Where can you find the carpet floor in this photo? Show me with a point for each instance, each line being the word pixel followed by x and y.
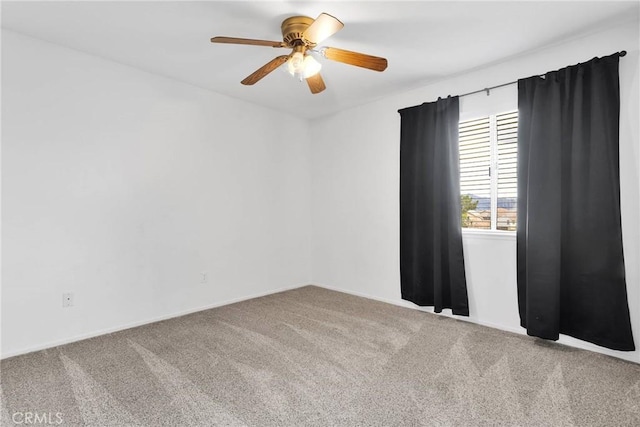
pixel 311 357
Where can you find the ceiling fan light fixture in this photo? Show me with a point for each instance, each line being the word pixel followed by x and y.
pixel 303 66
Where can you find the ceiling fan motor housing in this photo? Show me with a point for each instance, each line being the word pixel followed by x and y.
pixel 293 29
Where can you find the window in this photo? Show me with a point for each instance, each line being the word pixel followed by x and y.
pixel 488 172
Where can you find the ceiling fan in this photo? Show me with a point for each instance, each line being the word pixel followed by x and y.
pixel 302 34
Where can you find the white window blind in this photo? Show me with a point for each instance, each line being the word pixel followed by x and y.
pixel 475 177
pixel 488 172
pixel 507 161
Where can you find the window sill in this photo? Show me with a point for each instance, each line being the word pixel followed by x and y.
pixel 488 234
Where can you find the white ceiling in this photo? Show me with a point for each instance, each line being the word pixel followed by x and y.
pixel 423 41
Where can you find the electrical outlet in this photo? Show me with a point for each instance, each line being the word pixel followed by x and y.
pixel 204 277
pixel 67 300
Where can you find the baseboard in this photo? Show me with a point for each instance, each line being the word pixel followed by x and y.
pixel 564 340
pixel 106 331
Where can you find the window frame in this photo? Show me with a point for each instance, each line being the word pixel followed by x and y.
pixel 493 232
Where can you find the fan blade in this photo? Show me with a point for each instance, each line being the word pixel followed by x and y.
pixel 322 28
pixel 316 84
pixel 236 40
pixel 354 58
pixel 265 69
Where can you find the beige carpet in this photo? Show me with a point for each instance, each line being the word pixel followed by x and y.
pixel 316 357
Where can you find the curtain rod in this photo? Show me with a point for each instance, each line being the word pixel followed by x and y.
pixel 489 89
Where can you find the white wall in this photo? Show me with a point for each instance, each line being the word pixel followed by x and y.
pixel 355 187
pixel 122 186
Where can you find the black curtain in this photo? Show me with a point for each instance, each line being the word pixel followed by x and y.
pixel 571 276
pixel 431 260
